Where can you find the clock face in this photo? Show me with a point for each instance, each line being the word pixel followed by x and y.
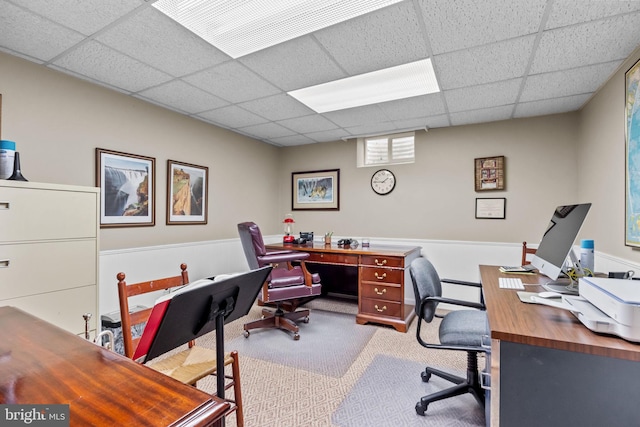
pixel 383 181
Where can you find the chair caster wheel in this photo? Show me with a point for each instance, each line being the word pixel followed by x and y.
pixel 296 337
pixel 420 409
pixel 306 319
pixel 426 376
pixel 246 334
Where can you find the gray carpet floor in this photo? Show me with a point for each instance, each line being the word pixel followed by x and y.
pixel 379 388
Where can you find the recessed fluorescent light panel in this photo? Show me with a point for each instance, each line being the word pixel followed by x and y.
pixel 402 81
pixel 240 27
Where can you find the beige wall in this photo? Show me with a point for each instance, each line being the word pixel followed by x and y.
pixel 57 122
pixel 434 198
pixel 602 165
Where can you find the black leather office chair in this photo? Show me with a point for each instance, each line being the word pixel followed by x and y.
pixel 459 330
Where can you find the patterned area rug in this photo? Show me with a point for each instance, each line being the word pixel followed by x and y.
pixel 387 391
pixel 328 344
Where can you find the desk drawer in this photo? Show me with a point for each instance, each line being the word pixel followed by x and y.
pixel 383 261
pixel 333 258
pixel 379 307
pixel 382 275
pixel 381 290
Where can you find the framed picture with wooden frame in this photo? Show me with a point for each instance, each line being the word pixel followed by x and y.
pixel 127 189
pixel 632 151
pixel 489 173
pixel 187 187
pixel 315 190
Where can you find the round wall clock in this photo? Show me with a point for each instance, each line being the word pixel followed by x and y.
pixel 383 181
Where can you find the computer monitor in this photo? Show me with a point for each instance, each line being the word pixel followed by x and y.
pixel 557 242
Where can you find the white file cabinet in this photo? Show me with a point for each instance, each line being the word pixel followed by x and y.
pixel 49 247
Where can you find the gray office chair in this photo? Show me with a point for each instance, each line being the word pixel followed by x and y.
pixel 459 330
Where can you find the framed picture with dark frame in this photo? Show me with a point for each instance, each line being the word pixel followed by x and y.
pixel 489 173
pixel 491 208
pixel 187 187
pixel 127 189
pixel 315 190
pixel 632 151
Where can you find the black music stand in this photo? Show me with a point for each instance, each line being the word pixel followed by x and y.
pixel 197 312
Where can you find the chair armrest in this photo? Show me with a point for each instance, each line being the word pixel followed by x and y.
pixel 453 301
pixel 282 256
pixel 461 282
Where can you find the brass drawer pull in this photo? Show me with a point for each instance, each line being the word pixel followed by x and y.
pixel 382 292
pixel 380 277
pixel 380 310
pixel 380 263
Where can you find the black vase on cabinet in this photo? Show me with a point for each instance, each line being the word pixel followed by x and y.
pixel 17 173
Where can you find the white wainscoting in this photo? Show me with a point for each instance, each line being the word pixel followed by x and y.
pixel 453 260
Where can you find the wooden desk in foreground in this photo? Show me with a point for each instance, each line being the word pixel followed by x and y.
pixel 548 369
pixel 43 364
pixel 381 275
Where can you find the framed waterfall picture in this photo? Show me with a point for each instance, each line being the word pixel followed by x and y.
pixel 127 189
pixel 187 187
pixel 632 154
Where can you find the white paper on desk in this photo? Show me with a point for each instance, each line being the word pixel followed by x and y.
pixel 545 301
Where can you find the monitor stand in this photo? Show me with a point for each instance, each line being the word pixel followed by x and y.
pixel 562 286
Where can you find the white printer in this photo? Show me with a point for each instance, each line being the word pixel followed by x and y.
pixel 609 306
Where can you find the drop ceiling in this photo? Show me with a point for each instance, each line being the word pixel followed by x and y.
pixel 494 60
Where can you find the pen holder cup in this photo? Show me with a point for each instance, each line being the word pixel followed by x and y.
pixel 327 240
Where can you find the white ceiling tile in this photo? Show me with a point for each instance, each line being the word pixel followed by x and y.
pixel 267 131
pixel 377 40
pixel 591 43
pixel 328 135
pixel 97 61
pixel 233 117
pixel 295 64
pixel 485 64
pixel 373 129
pixel 551 106
pixel 183 96
pixel 46 39
pixel 564 83
pixel 483 96
pixel 440 121
pixel 84 16
pixel 153 38
pixel 277 107
pixel 233 82
pixel 417 106
pixel 482 116
pixel 287 141
pixel 368 114
pixel 313 123
pixel 568 12
pixel 460 24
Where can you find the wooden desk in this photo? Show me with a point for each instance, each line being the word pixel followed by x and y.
pixel 548 369
pixel 382 271
pixel 43 364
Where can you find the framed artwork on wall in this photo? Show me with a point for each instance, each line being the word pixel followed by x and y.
pixel 315 190
pixel 491 208
pixel 187 187
pixel 489 173
pixel 632 156
pixel 127 189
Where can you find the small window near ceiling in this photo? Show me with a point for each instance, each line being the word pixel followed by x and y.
pixel 387 149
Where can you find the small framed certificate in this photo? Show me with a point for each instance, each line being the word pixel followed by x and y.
pixel 491 208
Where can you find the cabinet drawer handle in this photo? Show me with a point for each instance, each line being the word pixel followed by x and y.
pixel 380 263
pixel 5 205
pixel 380 310
pixel 380 277
pixel 382 292
pixel 4 263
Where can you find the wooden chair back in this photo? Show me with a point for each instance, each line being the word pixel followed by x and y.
pixel 130 319
pixel 526 252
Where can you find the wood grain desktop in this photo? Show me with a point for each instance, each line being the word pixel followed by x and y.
pixel 43 364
